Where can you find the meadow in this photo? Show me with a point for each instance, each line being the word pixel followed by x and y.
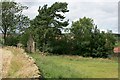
pixel 63 66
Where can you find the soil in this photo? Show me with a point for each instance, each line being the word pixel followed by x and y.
pixel 5 61
pixel 26 67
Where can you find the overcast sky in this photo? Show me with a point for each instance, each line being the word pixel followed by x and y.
pixel 103 12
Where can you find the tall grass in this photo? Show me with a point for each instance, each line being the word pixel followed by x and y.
pixel 75 67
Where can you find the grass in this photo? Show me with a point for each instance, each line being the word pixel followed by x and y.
pixel 16 62
pixel 75 67
pixel 15 66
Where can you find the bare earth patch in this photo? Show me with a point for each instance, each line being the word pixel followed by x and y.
pixel 17 64
pixel 6 61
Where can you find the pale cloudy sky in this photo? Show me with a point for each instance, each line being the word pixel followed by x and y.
pixel 103 12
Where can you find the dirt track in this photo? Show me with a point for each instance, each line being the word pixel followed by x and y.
pixel 0 63
pixel 5 57
pixel 15 63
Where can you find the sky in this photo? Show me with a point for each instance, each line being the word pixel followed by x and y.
pixel 103 12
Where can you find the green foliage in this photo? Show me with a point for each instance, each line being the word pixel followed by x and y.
pixel 1 41
pixel 12 18
pixel 82 31
pixel 102 43
pixel 89 41
pixel 59 45
pixel 48 24
pixel 12 40
pixel 24 38
pixel 84 39
pixel 117 44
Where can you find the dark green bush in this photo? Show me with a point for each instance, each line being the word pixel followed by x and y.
pixel 12 40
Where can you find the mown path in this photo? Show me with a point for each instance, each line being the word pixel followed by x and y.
pixel 5 57
pixel 15 63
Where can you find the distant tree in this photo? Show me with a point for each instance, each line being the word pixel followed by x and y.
pixel 110 42
pixel 82 31
pixel 98 41
pixel 12 18
pixel 102 43
pixel 88 41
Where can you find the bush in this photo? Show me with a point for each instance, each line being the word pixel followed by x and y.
pixel 12 40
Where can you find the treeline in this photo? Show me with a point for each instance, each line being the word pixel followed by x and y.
pixel 83 38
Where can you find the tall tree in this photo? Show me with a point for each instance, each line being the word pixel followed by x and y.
pixel 49 22
pixel 11 17
pixel 89 41
pixel 82 30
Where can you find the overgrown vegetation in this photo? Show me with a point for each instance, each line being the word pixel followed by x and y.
pixel 1 41
pixel 84 38
pixel 75 67
pixel 12 40
pixel 117 44
pixel 13 21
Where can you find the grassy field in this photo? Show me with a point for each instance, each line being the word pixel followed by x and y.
pixel 75 67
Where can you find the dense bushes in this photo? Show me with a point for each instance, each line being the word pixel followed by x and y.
pixel 89 41
pixel 12 40
pixel 1 41
pixel 85 39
